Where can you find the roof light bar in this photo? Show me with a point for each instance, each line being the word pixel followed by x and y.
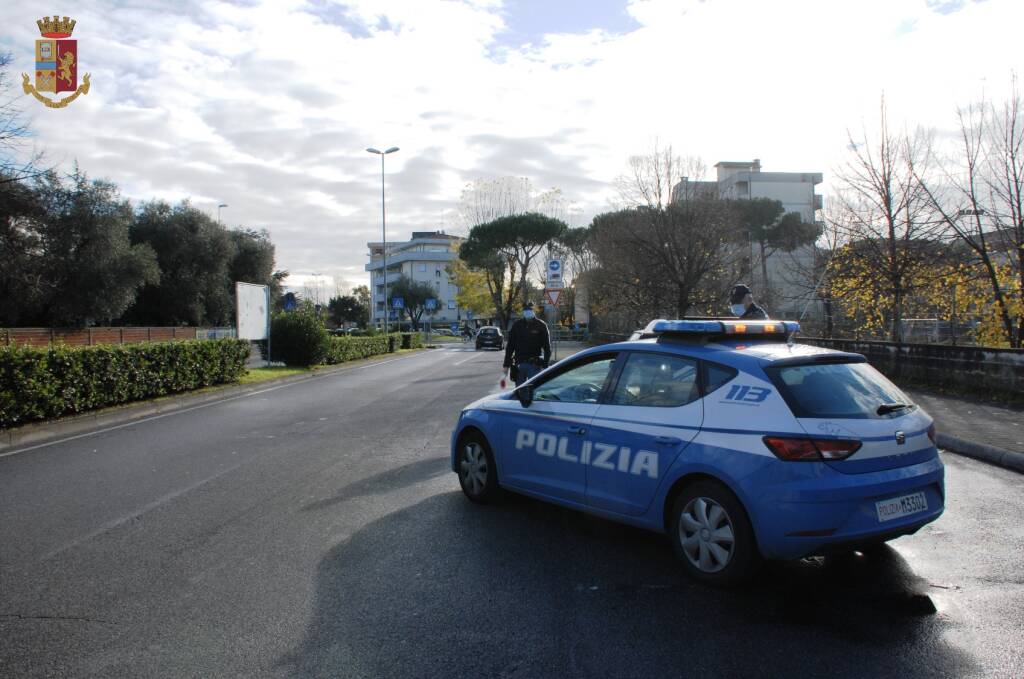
pixel 725 327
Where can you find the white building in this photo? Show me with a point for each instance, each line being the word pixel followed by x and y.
pixel 789 285
pixel 424 257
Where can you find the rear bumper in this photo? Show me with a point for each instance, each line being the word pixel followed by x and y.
pixel 834 511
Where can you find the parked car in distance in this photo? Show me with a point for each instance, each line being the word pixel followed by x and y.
pixel 490 336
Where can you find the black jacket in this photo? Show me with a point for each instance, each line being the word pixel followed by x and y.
pixel 755 312
pixel 527 340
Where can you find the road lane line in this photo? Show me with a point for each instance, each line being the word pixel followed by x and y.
pixel 111 525
pixel 201 406
pixel 466 359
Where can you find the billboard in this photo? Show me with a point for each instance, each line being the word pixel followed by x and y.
pixel 252 311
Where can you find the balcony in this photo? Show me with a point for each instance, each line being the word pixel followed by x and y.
pixel 401 257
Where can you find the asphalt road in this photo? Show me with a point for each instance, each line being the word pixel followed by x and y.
pixel 314 529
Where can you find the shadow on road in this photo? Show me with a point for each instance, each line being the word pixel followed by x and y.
pixel 447 588
pixel 385 482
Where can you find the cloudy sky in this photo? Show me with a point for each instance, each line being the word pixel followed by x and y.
pixel 267 106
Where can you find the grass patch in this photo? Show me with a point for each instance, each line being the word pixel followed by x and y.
pixel 257 375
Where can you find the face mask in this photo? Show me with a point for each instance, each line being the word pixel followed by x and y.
pixel 738 309
pixel 528 314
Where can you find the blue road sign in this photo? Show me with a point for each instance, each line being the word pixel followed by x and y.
pixel 398 302
pixel 469 314
pixel 430 304
pixel 455 327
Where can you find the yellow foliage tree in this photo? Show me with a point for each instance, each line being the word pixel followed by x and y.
pixel 473 294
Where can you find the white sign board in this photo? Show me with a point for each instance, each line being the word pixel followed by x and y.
pixel 253 311
pixel 554 271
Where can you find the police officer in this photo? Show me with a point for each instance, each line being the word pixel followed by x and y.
pixel 528 349
pixel 742 304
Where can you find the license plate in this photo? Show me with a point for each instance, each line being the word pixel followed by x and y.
pixel 901 506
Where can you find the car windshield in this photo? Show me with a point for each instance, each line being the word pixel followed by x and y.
pixel 489 331
pixel 839 390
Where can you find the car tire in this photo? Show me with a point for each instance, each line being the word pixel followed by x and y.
pixel 478 475
pixel 711 534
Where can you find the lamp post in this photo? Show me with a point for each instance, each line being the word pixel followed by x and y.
pixel 383 229
pixel 222 205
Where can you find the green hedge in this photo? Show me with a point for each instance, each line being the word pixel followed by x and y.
pixel 38 384
pixel 341 349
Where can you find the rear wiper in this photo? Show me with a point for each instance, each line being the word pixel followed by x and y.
pixel 887 408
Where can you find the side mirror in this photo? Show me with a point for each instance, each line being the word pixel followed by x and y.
pixel 525 395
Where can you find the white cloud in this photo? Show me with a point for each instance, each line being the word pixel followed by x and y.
pixel 268 106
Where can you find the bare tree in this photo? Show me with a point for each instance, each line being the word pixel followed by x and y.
pixel 651 177
pixel 485 200
pixel 884 212
pixel 16 164
pixel 980 198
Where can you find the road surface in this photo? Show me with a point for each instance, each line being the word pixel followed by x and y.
pixel 314 529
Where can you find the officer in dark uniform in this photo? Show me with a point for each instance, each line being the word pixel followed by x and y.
pixel 528 349
pixel 742 304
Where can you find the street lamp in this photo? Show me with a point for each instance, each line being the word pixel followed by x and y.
pixel 383 228
pixel 218 211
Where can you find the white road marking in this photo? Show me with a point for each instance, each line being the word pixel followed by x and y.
pixel 111 525
pixel 199 407
pixel 466 359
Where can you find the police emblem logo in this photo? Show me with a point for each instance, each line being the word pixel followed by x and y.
pixel 56 63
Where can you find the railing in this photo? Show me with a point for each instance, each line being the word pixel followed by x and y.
pixel 85 337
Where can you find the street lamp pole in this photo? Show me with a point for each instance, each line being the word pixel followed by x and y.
pixel 383 228
pixel 222 205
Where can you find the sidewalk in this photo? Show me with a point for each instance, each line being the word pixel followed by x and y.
pixel 984 431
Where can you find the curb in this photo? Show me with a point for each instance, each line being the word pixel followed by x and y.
pixel 41 432
pixel 1007 459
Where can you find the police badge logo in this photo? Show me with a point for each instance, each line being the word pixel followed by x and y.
pixel 56 63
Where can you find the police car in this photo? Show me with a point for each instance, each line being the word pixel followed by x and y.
pixel 735 441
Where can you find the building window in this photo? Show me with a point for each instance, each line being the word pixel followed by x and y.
pixel 437 272
pixel 451 304
pixel 423 267
pixel 438 284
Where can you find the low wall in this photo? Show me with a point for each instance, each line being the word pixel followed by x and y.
pixel 971 369
pixel 87 337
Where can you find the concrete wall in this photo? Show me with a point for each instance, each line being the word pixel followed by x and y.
pixel 970 369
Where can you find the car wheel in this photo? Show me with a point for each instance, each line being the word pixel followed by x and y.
pixel 711 534
pixel 477 474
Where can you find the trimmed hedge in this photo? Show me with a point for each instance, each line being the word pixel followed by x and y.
pixel 341 349
pixel 38 384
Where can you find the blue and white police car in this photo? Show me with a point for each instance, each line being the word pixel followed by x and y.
pixel 726 435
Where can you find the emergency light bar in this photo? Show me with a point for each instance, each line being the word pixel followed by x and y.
pixel 696 327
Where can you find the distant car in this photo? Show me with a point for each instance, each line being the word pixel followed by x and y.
pixel 490 336
pixel 726 435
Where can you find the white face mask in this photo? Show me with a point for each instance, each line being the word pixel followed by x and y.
pixel 528 314
pixel 738 309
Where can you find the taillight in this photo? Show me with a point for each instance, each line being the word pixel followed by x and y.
pixel 814 450
pixel 931 433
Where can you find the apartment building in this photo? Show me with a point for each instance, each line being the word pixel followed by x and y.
pixel 424 257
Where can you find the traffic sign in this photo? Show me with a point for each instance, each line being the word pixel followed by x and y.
pixel 552 296
pixel 469 314
pixel 398 302
pixel 554 271
pixel 455 327
pixel 430 304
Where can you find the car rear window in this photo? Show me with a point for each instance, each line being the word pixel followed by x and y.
pixel 837 390
pixel 488 331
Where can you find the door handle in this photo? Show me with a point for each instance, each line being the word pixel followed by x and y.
pixel 577 430
pixel 667 440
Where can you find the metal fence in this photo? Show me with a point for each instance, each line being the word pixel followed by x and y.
pixel 87 337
